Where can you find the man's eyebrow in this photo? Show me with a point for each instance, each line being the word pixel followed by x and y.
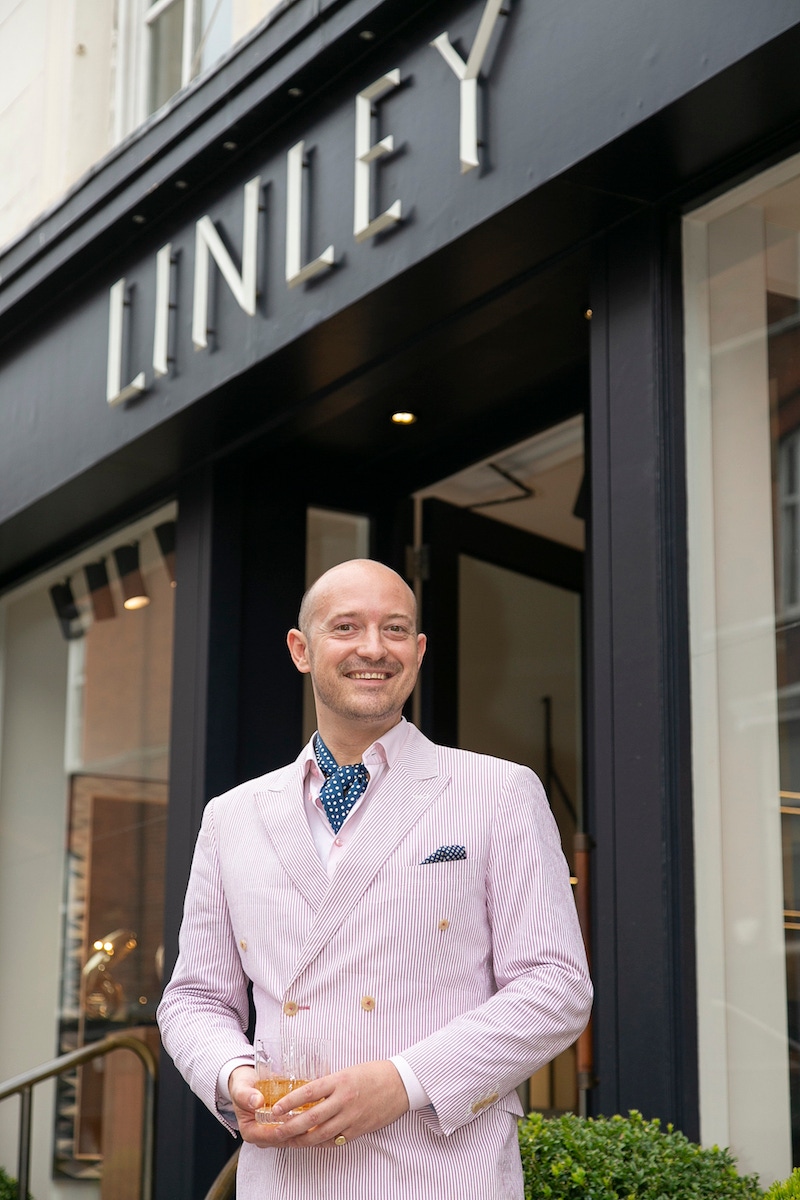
pixel 349 616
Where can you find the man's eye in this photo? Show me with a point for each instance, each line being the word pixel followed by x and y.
pixel 397 629
pixel 345 627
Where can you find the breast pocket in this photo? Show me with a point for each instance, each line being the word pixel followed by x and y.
pixel 446 894
pixel 432 935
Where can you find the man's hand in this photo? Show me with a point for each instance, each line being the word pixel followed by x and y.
pixel 246 1099
pixel 352 1102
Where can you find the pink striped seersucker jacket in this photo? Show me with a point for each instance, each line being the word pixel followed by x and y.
pixel 474 969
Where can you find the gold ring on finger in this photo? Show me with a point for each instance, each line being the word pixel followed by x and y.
pixel 341 1140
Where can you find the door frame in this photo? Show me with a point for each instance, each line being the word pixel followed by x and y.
pixel 448 533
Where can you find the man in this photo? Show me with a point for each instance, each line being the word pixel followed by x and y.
pixel 415 910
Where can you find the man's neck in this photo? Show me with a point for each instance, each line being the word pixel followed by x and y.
pixel 347 745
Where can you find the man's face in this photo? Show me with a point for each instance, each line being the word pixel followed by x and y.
pixel 360 646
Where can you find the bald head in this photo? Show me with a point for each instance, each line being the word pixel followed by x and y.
pixel 365 573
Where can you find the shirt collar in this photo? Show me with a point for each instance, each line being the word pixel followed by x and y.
pixel 385 749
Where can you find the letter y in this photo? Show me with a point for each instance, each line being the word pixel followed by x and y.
pixel 467 74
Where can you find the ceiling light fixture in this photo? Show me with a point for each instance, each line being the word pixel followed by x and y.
pixel 69 617
pixel 130 576
pixel 100 593
pixel 404 418
pixel 165 536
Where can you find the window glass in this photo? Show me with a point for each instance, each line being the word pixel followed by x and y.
pixel 742 282
pixel 166 33
pixel 84 770
pixel 216 32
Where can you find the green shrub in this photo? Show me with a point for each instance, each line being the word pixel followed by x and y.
pixel 623 1158
pixel 788 1189
pixel 8 1187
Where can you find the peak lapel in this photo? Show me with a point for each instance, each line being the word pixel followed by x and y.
pixel 282 810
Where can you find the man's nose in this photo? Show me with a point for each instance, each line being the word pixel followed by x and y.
pixel 371 643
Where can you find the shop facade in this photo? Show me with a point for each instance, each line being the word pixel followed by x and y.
pixel 567 248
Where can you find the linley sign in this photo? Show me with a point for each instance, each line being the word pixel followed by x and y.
pixel 243 284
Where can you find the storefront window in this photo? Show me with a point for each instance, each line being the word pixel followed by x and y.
pixel 742 280
pixel 84 769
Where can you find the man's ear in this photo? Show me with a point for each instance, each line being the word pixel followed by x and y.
pixel 298 649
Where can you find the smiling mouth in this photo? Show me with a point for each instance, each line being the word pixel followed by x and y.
pixel 369 674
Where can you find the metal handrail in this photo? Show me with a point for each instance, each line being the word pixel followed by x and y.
pixel 224 1185
pixel 23 1085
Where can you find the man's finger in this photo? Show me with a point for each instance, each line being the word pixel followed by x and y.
pixel 309 1093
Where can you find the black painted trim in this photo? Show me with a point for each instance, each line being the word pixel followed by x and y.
pixel 202 763
pixel 638 733
pixel 236 712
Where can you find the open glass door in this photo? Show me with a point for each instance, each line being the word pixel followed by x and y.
pixel 501 561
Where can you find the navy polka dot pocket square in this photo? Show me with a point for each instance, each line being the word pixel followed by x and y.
pixel 445 854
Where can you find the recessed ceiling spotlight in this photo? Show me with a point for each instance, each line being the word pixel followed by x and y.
pixel 138 219
pixel 404 418
pixel 181 184
pixel 295 92
pixel 587 312
pixel 130 577
pixel 230 145
pixel 367 35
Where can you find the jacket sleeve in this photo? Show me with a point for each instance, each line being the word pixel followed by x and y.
pixel 544 993
pixel 204 1012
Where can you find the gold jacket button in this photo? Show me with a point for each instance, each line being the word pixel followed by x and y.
pixel 443 924
pixel 243 944
pixel 368 1003
pixel 290 1008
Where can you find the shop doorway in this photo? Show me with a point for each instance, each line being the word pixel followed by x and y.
pixel 498 558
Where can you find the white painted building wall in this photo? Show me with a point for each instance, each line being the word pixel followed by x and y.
pixel 69 90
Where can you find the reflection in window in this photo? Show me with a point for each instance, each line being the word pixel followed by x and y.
pixel 742 286
pixel 790 499
pixel 117 765
pixel 784 377
pixel 84 767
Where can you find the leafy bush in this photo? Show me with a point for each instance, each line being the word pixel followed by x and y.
pixel 789 1189
pixel 624 1158
pixel 8 1187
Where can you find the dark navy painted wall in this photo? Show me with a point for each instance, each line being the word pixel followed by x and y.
pixel 564 85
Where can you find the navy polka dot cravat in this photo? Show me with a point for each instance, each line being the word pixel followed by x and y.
pixel 342 787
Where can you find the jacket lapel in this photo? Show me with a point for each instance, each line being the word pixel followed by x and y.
pixel 281 808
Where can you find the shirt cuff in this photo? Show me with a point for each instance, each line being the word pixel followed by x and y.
pixel 417 1096
pixel 223 1095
